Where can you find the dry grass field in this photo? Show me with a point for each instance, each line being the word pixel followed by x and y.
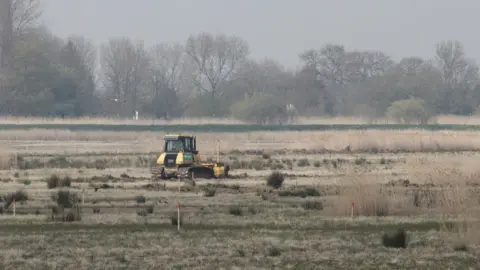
pixel 441 119
pixel 425 183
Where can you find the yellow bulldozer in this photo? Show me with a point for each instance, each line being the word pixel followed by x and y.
pixel 181 159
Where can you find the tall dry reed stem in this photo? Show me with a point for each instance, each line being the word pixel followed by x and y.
pixel 7 158
pixel 367 198
pixel 444 193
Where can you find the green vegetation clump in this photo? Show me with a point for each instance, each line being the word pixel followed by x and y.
pixel 275 179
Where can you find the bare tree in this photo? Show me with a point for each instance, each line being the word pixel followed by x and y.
pixel 25 14
pixel 258 76
pixel 168 64
pixel 168 71
pixel 124 65
pixel 411 65
pixel 363 65
pixel 456 68
pixel 460 77
pixel 215 59
pixel 338 66
pixel 86 50
pixel 6 32
pixel 15 17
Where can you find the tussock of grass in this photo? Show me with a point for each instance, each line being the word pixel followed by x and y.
pixel 300 192
pixel 266 156
pixel 395 240
pixel 235 210
pixel 365 199
pixel 149 209
pixel 65 198
pixel 140 199
pixel 142 213
pixel 7 158
pixel 274 252
pixel 72 216
pixel 303 162
pixel 18 196
pixel 275 179
pixel 312 205
pixel 209 192
pixel 55 181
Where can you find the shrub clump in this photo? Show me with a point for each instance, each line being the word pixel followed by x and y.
pixel 361 161
pixel 274 252
pixel 65 198
pixel 395 240
pixel 235 210
pixel 257 164
pixel 275 180
pixel 19 196
pixel 409 111
pixel 55 181
pixel 313 205
pixel 71 216
pixel 140 199
pixel 306 192
pixel 210 192
pixel 303 162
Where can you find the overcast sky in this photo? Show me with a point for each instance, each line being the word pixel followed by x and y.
pixel 279 29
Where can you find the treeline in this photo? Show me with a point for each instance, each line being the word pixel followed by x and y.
pixel 214 75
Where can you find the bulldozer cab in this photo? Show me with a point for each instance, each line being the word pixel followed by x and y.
pixel 180 143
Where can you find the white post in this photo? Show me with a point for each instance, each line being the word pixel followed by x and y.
pixel 136 115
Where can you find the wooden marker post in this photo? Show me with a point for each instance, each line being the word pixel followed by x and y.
pixel 353 207
pixel 178 217
pixel 14 206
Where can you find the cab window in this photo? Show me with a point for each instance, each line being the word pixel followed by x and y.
pixel 188 144
pixel 174 146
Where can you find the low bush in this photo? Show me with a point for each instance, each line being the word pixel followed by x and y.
pixel 55 181
pixel 19 196
pixel 303 162
pixel 65 198
pixel 210 192
pixel 235 210
pixel 397 239
pixel 300 192
pixel 275 179
pixel 140 199
pixel 312 205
